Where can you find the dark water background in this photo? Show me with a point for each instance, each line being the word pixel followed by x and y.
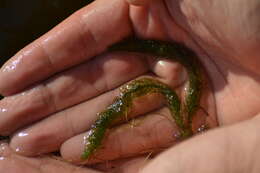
pixel 22 21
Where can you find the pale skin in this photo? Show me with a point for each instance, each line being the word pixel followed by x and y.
pixel 225 35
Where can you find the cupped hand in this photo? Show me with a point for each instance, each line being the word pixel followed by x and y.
pixel 224 35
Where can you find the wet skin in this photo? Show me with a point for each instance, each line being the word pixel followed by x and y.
pixel 230 60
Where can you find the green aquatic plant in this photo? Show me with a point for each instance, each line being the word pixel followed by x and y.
pixel 182 113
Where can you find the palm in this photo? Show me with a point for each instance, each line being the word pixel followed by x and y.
pixel 220 52
pixel 229 54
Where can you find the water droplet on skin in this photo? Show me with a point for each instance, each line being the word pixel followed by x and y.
pixel 162 63
pixel 23 93
pixel 2 147
pixel 27 52
pixel 22 134
pixel 85 138
pixel 88 134
pixel 3 110
pixel 177 135
pixel 4 151
pixel 13 64
pixel 186 89
pixel 202 128
pixel 17 150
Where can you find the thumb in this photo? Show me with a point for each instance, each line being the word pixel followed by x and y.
pixel 228 149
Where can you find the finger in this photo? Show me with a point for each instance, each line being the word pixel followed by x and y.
pixel 148 134
pixel 48 135
pixel 69 88
pixel 216 151
pixel 12 163
pixel 75 40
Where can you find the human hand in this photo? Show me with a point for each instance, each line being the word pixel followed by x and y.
pixel 226 113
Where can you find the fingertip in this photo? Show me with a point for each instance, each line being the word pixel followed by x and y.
pixel 162 68
pixel 25 143
pixel 4 89
pixel 23 70
pixel 31 143
pixel 72 149
pixel 19 144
